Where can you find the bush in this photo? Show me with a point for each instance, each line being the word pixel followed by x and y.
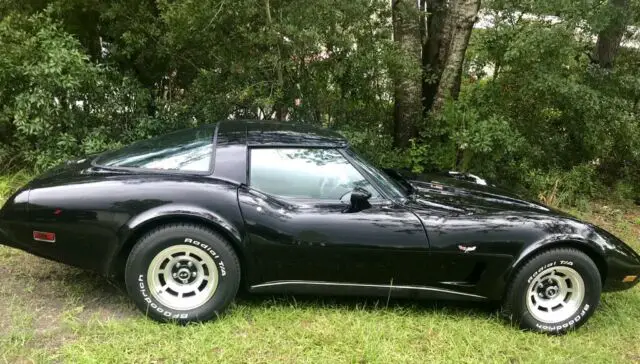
pixel 573 187
pixel 55 103
pixel 10 183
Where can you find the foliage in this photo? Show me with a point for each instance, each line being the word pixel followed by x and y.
pixel 11 183
pixel 54 102
pixel 81 76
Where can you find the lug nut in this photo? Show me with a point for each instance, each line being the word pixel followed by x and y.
pixel 189 264
pixel 175 275
pixel 193 274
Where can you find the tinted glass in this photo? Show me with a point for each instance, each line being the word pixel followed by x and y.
pixel 305 173
pixel 184 150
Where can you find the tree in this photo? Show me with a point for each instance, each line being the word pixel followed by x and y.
pixel 610 36
pixel 55 103
pixel 438 45
pixel 460 24
pixel 408 81
pixel 433 51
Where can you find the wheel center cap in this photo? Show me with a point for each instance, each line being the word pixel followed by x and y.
pixel 184 274
pixel 551 291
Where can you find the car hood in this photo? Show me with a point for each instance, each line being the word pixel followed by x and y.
pixel 434 196
pixel 446 193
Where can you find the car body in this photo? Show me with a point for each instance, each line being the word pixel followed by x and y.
pixel 440 237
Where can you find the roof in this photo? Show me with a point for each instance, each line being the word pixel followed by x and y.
pixel 274 133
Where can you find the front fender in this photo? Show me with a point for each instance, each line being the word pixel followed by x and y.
pixel 583 243
pixel 562 240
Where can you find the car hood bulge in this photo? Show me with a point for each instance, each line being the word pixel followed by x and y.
pixel 449 194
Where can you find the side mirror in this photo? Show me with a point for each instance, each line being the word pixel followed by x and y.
pixel 359 200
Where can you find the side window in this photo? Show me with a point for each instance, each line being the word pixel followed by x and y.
pixel 305 173
pixel 184 150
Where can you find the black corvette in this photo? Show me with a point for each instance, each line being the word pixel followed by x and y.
pixel 190 217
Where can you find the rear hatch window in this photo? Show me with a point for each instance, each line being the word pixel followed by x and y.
pixel 188 150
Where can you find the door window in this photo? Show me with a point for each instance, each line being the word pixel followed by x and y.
pixel 305 173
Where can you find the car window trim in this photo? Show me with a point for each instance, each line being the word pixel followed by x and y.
pixel 214 147
pixel 375 201
pixel 341 150
pixel 151 170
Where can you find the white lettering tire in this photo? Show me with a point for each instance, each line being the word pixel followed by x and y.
pixel 554 292
pixel 182 273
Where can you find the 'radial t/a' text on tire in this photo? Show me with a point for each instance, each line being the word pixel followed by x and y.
pixel 182 273
pixel 554 292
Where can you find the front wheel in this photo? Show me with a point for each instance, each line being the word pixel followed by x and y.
pixel 554 292
pixel 183 273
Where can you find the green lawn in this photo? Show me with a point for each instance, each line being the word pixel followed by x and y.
pixel 54 313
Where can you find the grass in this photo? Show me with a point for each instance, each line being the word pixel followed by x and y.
pixel 54 313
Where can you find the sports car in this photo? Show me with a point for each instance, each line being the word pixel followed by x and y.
pixel 188 219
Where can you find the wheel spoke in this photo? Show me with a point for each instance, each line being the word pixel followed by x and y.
pixel 555 294
pixel 182 277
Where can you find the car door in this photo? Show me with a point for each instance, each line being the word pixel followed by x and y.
pixel 295 210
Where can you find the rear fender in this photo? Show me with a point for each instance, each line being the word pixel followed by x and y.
pixel 170 213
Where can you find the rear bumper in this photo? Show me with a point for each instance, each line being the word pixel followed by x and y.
pixel 4 239
pixel 12 234
pixel 14 219
pixel 18 235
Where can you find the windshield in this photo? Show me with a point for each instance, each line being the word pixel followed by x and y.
pixel 390 186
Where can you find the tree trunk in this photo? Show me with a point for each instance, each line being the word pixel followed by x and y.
pixel 280 109
pixel 408 83
pixel 433 50
pixel 610 37
pixel 463 17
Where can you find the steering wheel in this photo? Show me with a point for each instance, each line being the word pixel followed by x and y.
pixel 345 195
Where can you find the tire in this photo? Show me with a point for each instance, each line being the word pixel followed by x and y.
pixel 182 273
pixel 565 282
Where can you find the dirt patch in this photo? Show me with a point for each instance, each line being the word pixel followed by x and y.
pixel 43 300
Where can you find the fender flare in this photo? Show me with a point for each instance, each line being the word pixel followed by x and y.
pixel 591 248
pixel 170 211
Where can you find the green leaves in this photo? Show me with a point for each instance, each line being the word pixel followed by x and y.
pixel 82 76
pixel 51 95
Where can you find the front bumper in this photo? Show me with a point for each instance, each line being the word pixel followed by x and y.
pixel 624 273
pixel 624 269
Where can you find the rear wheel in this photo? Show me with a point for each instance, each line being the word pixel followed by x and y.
pixel 554 292
pixel 182 272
